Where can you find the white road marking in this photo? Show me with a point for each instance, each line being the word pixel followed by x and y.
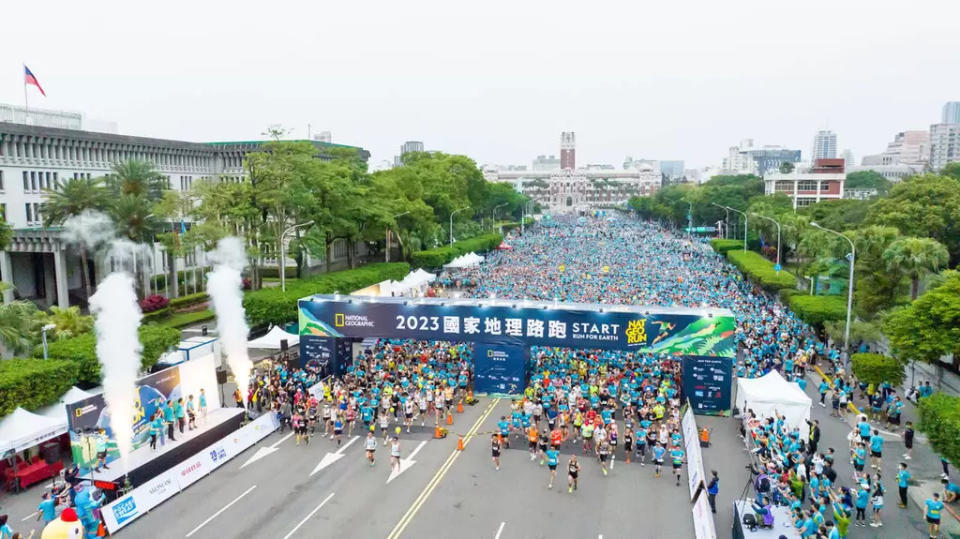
pixel 406 463
pixel 265 451
pixel 500 530
pixel 28 517
pixel 225 507
pixel 302 522
pixel 331 458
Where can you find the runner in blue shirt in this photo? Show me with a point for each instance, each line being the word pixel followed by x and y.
pixel 876 449
pixel 658 452
pixel 552 461
pixel 902 477
pixel 932 513
pixel 677 457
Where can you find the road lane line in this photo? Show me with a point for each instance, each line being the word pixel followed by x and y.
pixel 500 530
pixel 412 511
pixel 28 517
pixel 215 515
pixel 305 519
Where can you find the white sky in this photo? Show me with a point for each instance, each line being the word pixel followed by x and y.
pixel 496 80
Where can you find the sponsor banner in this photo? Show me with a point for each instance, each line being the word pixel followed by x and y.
pixel 614 327
pixel 140 500
pixel 193 469
pixel 500 368
pixel 695 475
pixel 707 382
pixel 703 525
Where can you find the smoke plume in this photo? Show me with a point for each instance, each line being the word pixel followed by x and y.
pixel 118 348
pixel 90 229
pixel 225 286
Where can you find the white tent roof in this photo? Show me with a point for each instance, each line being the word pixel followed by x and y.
pixel 58 410
pixel 771 394
pixel 22 430
pixel 468 260
pixel 272 339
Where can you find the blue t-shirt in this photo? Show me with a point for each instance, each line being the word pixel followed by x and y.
pixel 933 508
pixel 677 456
pixel 902 477
pixel 863 496
pixel 504 427
pixel 552 455
pixel 876 443
pixel 658 453
pixel 48 508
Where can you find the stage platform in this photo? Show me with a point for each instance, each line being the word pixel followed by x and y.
pixel 145 463
pixel 782 523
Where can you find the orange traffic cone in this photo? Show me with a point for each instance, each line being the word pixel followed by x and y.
pixel 459 442
pixel 449 419
pixel 460 407
pixel 437 433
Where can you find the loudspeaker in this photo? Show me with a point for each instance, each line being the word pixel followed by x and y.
pixel 221 376
pixel 283 345
pixel 203 330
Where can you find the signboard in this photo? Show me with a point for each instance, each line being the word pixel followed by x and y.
pixel 140 500
pixel 318 354
pixel 679 331
pixel 707 383
pixel 500 368
pixel 703 525
pixel 691 440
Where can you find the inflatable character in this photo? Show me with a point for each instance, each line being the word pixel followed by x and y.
pixel 67 526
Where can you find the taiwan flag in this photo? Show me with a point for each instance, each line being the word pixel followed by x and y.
pixel 28 78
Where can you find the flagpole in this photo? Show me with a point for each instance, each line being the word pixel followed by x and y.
pixel 26 104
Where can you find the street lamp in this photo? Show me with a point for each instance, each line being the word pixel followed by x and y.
pixel 43 333
pixel 690 218
pixel 774 221
pixel 495 214
pixel 283 254
pixel 853 259
pixel 726 220
pixel 745 223
pixel 454 212
pixel 387 259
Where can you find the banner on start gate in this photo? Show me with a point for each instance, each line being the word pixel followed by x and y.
pixel 500 368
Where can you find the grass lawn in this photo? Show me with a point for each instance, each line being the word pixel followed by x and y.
pixel 180 320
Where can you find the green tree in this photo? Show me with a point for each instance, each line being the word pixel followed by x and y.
pixel 923 206
pixel 877 283
pixel 20 323
pixel 868 179
pixel 843 214
pixel 68 322
pixel 136 177
pixel 952 170
pixel 786 167
pixel 928 328
pixel 71 199
pixel 916 257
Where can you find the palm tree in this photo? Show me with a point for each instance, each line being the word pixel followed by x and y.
pixel 135 177
pixel 916 257
pixel 69 322
pixel 70 199
pixel 19 327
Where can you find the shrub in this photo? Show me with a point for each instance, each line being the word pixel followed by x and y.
pixel 815 310
pixel 760 270
pixel 787 293
pixel 190 299
pixel 270 272
pixel 82 350
pixel 154 302
pixel 876 368
pixel 722 246
pixel 156 315
pixel 180 320
pixel 435 258
pixel 479 244
pixel 33 382
pixel 940 421
pixel 273 306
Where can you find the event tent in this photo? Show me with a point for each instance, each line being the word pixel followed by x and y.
pixel 22 430
pixel 58 410
pixel 771 394
pixel 468 260
pixel 272 339
pixel 412 285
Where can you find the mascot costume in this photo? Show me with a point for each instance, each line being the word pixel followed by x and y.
pixel 67 526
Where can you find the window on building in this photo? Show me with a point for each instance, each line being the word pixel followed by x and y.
pixel 784 187
pixel 26 182
pixel 805 201
pixel 36 213
pixel 33 181
pixel 1 181
pixel 807 185
pixel 824 185
pixel 29 210
pixel 56 181
pixel 47 178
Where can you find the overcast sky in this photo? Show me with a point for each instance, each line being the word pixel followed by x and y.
pixel 496 80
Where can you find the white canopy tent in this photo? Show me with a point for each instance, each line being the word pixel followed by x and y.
pixel 22 430
pixel 58 410
pixel 772 394
pixel 414 284
pixel 468 260
pixel 272 339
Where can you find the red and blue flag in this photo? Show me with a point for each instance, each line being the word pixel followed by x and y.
pixel 29 78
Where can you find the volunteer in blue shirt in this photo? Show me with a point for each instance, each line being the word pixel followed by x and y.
pixel 876 449
pixel 932 513
pixel 713 488
pixel 902 477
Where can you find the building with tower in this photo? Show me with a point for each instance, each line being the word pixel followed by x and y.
pixel 568 150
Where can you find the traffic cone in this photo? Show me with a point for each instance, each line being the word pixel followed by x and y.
pixel 459 442
pixel 437 433
pixel 460 407
pixel 449 419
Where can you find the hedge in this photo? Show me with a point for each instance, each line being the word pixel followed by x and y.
pixel 190 299
pixel 760 270
pixel 434 258
pixel 506 226
pixel 180 320
pixel 82 350
pixel 940 421
pixel 273 306
pixel 722 246
pixel 156 315
pixel 876 369
pixel 271 272
pixel 33 382
pixel 787 293
pixel 815 310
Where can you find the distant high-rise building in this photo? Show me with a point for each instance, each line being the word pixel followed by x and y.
pixel 951 113
pixel 824 145
pixel 546 162
pixel 910 147
pixel 750 159
pixel 409 146
pixel 323 136
pixel 673 170
pixel 568 150
pixel 944 145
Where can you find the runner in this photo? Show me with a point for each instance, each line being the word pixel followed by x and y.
pixel 658 452
pixel 338 429
pixel 395 454
pixel 371 446
pixel 532 437
pixel 495 449
pixel 603 453
pixel 677 456
pixel 573 471
pixel 552 460
pixel 933 506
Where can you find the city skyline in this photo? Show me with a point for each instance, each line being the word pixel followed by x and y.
pixel 498 102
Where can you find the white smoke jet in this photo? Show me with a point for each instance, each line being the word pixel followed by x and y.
pixel 225 286
pixel 118 349
pixel 90 229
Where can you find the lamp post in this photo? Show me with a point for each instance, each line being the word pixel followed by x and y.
pixel 283 254
pixel 690 218
pixel 853 259
pixel 495 214
pixel 387 257
pixel 523 215
pixel 774 221
pixel 454 212
pixel 745 224
pixel 726 220
pixel 43 334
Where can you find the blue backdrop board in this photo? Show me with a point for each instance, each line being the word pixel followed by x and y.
pixel 318 353
pixel 500 368
pixel 707 382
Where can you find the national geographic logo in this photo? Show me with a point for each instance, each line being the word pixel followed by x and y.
pixel 352 320
pixel 637 331
pixel 79 412
pixel 338 320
